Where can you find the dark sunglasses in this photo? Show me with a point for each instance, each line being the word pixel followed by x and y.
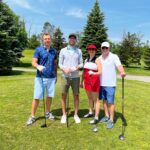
pixel 104 47
pixel 91 49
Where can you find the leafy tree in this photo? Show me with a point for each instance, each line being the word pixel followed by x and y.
pixel 33 42
pixel 130 49
pixel 95 30
pixel 147 57
pixel 13 38
pixel 58 40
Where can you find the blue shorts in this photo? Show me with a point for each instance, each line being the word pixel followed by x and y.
pixel 48 84
pixel 107 93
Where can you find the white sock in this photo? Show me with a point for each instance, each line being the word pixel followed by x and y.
pixel 96 117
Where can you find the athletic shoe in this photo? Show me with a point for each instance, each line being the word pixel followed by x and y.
pixel 104 119
pixel 49 115
pixel 110 124
pixel 94 121
pixel 88 115
pixel 30 121
pixel 63 119
pixel 77 119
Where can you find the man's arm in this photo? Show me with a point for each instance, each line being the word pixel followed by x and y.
pixel 121 70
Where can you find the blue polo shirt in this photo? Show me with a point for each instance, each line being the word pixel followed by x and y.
pixel 46 58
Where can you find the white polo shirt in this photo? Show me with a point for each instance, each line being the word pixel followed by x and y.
pixel 109 67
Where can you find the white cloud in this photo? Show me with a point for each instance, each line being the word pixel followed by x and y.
pixel 76 12
pixel 22 3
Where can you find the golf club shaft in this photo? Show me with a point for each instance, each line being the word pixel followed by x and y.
pixel 123 106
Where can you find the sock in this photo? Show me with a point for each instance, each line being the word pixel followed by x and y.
pixel 96 117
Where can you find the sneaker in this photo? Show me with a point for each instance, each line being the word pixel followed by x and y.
pixel 63 119
pixel 110 124
pixel 49 115
pixel 30 121
pixel 77 119
pixel 88 115
pixel 104 119
pixel 94 121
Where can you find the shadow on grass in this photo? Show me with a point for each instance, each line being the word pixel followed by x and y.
pixel 23 65
pixel 12 73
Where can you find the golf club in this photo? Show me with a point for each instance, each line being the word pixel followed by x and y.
pixel 121 136
pixel 43 125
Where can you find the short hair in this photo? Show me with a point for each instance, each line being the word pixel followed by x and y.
pixel 46 33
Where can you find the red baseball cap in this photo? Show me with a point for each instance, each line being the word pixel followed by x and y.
pixel 91 46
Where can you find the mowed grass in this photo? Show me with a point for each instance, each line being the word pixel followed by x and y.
pixel 15 106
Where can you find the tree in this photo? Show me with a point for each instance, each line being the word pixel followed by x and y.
pixel 33 42
pixel 130 49
pixel 13 38
pixel 48 28
pixel 58 40
pixel 147 57
pixel 95 30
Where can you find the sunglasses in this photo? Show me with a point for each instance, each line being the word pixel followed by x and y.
pixel 91 49
pixel 104 47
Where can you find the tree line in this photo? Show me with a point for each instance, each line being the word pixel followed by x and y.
pixel 14 39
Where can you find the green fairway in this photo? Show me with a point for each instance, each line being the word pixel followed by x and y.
pixel 15 106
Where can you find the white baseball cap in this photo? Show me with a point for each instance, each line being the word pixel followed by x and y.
pixel 105 44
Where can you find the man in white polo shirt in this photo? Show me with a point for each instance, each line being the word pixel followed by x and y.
pixel 110 63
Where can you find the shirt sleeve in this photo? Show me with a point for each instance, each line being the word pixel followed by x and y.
pixel 36 53
pixel 61 58
pixel 117 60
pixel 80 60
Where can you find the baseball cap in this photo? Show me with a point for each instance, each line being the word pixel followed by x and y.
pixel 105 44
pixel 72 35
pixel 91 46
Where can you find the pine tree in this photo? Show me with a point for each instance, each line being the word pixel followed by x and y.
pixel 95 30
pixel 58 41
pixel 33 42
pixel 147 57
pixel 11 41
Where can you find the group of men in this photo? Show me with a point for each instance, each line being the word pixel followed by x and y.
pixel 70 61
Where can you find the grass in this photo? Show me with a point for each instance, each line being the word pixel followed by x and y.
pixel 15 106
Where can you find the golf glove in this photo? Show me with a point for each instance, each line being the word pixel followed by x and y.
pixel 91 72
pixel 40 67
pixel 73 69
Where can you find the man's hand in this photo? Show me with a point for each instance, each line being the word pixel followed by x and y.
pixel 91 72
pixel 66 70
pixel 122 74
pixel 40 67
pixel 73 69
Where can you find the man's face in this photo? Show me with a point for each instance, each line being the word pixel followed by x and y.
pixel 72 41
pixel 47 40
pixel 105 51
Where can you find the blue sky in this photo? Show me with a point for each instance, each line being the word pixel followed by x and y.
pixel 71 15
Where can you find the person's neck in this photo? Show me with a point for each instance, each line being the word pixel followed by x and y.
pixel 47 47
pixel 91 57
pixel 105 55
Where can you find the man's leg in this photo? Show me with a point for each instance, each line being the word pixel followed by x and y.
pixel 76 103
pixel 48 104
pixel 105 105
pixel 35 104
pixel 111 111
pixel 63 103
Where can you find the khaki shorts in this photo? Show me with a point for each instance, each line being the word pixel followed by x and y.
pixel 67 82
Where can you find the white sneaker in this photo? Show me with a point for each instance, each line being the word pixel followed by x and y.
pixel 49 115
pixel 63 119
pixel 30 121
pixel 77 119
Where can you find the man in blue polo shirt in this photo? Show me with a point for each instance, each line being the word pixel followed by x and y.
pixel 45 61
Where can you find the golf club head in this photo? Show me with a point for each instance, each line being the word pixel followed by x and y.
pixel 121 137
pixel 95 129
pixel 43 125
